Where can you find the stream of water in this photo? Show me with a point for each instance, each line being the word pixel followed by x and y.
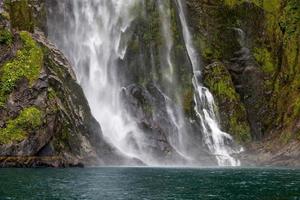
pixel 94 35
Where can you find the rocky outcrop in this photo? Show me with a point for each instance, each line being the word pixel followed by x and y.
pixel 50 117
pixel 45 119
pixel 233 116
pixel 149 108
pixel 250 53
pixel 258 42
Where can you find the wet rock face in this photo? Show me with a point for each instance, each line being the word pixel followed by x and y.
pixel 66 130
pixel 233 116
pixel 248 81
pixel 148 108
pixel 225 34
pixel 258 42
pixel 26 14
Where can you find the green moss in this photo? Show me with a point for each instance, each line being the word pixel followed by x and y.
pixel 149 26
pixel 291 17
pixel 20 15
pixel 267 5
pixel 288 102
pixel 220 83
pixel 51 94
pixel 6 37
pixel 27 64
pixel 232 3
pixel 188 103
pixel 232 112
pixel 264 59
pixel 285 137
pixel 297 108
pixel 271 5
pixel 240 129
pixel 17 129
pixel 5 15
pixel 208 53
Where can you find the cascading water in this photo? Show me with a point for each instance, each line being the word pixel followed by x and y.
pixel 214 138
pixel 95 36
pixel 92 38
pixel 176 115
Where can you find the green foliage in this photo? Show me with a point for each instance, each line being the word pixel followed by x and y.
pixel 296 109
pixel 267 5
pixel 149 26
pixel 17 129
pixel 290 21
pixel 285 137
pixel 233 113
pixel 20 13
pixel 51 94
pixel 240 130
pixel 27 64
pixel 264 58
pixel 6 37
pixel 220 84
pixel 232 3
pixel 270 5
pixel 188 102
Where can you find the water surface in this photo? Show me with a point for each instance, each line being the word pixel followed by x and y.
pixel 150 183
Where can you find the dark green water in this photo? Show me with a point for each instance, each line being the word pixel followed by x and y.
pixel 150 183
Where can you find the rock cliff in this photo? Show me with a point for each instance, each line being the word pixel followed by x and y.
pixel 45 119
pixel 256 47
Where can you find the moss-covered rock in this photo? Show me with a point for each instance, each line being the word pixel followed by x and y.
pixel 5 37
pixel 26 64
pixel 45 119
pixel 26 15
pixel 46 113
pixel 20 13
pixel 146 56
pixel 262 57
pixel 18 129
pixel 233 114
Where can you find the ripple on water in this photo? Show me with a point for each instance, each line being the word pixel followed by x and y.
pixel 150 183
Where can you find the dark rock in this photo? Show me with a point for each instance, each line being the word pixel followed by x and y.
pixel 148 106
pixel 69 131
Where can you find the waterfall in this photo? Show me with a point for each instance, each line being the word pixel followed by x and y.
pixel 176 115
pixel 214 138
pixel 95 36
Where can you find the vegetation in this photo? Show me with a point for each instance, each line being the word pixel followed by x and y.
pixel 188 103
pixel 233 113
pixel 220 83
pixel 6 37
pixel 18 129
pixel 264 59
pixel 26 64
pixel 20 13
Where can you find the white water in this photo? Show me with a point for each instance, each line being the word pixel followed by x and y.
pixel 94 36
pixel 176 115
pixel 94 42
pixel 214 138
